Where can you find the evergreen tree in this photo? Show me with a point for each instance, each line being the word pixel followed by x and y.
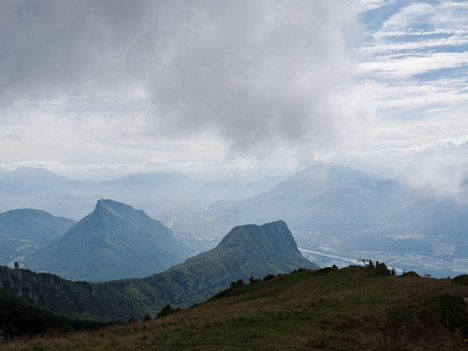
pixel 382 269
pixel 252 280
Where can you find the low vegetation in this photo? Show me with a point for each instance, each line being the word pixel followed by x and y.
pixel 245 251
pixel 18 319
pixel 354 308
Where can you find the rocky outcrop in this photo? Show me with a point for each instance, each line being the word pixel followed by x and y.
pixel 246 251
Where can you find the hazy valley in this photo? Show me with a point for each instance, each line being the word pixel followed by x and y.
pixel 234 175
pixel 337 214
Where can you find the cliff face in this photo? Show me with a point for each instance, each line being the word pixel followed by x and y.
pixel 22 283
pixel 67 298
pixel 246 251
pixel 11 281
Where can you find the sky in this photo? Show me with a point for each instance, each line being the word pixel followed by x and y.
pixel 110 87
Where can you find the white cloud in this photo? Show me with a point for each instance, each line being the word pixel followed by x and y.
pixel 111 79
pixel 105 85
pixel 435 175
pixel 449 142
pixel 450 15
pixel 382 34
pixel 409 16
pixel 453 40
pixel 412 65
pixel 51 165
pixel 369 5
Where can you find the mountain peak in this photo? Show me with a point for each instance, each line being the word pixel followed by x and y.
pixel 108 203
pixel 274 236
pixel 116 208
pixel 114 241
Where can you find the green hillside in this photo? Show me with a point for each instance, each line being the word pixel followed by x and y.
pixel 17 319
pixel 245 251
pixel 348 309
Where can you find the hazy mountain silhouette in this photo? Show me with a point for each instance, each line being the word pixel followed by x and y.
pixel 32 225
pixel 321 197
pixel 114 241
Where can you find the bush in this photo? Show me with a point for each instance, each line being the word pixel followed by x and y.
pixel 453 312
pixel 381 269
pixel 252 280
pixel 166 310
pixel 299 270
pixel 268 277
pixel 325 270
pixel 240 283
pixel 410 274
pixel 147 318
pixel 461 279
pixel 64 329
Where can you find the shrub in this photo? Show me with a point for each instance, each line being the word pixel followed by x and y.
pixel 381 269
pixel 461 279
pixel 239 283
pixel 147 318
pixel 299 270
pixel 410 274
pixel 166 310
pixel 325 270
pixel 453 312
pixel 268 277
pixel 252 280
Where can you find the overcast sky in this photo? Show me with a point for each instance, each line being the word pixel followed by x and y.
pixel 147 85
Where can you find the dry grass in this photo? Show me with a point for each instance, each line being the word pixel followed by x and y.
pixel 343 310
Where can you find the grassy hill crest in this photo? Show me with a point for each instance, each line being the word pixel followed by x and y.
pixel 329 309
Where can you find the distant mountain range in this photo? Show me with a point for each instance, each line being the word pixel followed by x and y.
pixel 38 188
pixel 322 198
pixel 364 211
pixel 27 227
pixel 32 176
pixel 338 208
pixel 114 241
pixel 32 225
pixel 246 251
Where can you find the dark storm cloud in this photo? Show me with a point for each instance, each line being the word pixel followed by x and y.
pixel 257 73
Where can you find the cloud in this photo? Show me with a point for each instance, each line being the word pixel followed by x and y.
pixel 51 165
pixel 260 75
pixel 419 38
pixel 257 75
pixel 416 61
pixel 412 65
pixel 369 5
pixel 450 15
pixel 433 174
pixel 453 40
pixel 450 142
